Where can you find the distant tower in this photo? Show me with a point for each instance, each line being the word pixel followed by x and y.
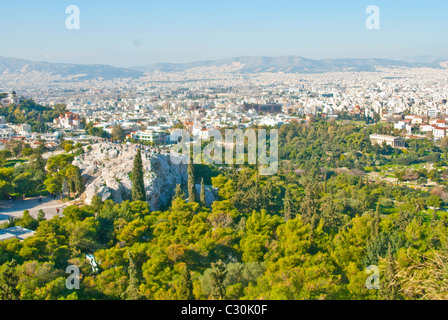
pixel 13 97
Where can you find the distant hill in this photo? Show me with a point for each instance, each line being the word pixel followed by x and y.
pixel 293 64
pixel 287 64
pixel 87 71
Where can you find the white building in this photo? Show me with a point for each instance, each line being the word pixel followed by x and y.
pixel 156 136
pixel 11 99
pixel 414 119
pixel 395 142
pixel 438 122
pixel 68 121
pixel 6 133
pixel 432 113
pixel 439 132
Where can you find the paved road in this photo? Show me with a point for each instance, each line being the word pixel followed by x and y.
pixel 15 208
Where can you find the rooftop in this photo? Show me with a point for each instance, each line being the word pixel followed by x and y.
pixel 15 232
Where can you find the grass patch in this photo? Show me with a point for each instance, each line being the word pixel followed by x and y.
pixel 12 163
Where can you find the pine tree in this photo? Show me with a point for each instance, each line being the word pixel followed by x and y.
pixel 131 292
pixel 185 289
pixel 269 200
pixel 37 162
pixel 202 195
pixel 79 185
pixel 8 282
pixel 218 276
pixel 138 186
pixel 178 193
pixel 191 183
pixel 41 216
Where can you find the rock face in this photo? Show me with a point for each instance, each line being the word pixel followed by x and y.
pixel 107 167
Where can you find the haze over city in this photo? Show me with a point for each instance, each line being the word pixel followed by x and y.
pixel 137 33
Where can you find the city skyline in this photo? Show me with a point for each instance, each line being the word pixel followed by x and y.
pixel 180 32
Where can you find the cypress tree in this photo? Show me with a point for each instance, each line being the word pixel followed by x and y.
pixel 218 276
pixel 287 206
pixel 138 186
pixel 191 183
pixel 131 292
pixel 325 183
pixel 255 195
pixel 79 185
pixel 185 289
pixel 310 203
pixel 202 196
pixel 376 223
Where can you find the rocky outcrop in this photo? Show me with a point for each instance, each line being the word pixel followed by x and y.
pixel 211 194
pixel 107 167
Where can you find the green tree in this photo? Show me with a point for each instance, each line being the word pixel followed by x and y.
pixel 287 206
pixel 5 154
pixel 59 162
pixel 444 146
pixel 433 201
pixel 96 203
pixel 16 147
pixel 53 183
pixel 331 215
pixel 22 183
pixel 27 221
pixel 118 133
pixel 202 195
pixel 185 288
pixel 138 185
pixel 37 163
pixel 178 193
pixel 309 207
pixel 74 178
pixel 191 183
pixel 218 276
pixel 388 290
pixel 9 281
pixel 40 216
pixel 131 292
pixel 68 147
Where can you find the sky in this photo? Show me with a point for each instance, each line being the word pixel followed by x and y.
pixel 141 32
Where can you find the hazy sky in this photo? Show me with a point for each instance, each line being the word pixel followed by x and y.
pixel 141 32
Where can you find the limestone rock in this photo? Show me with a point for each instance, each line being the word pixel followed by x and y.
pixel 107 167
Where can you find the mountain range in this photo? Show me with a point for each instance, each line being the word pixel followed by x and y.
pixel 84 71
pixel 287 64
pixel 297 64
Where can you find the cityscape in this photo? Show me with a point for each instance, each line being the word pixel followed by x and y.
pixel 94 205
